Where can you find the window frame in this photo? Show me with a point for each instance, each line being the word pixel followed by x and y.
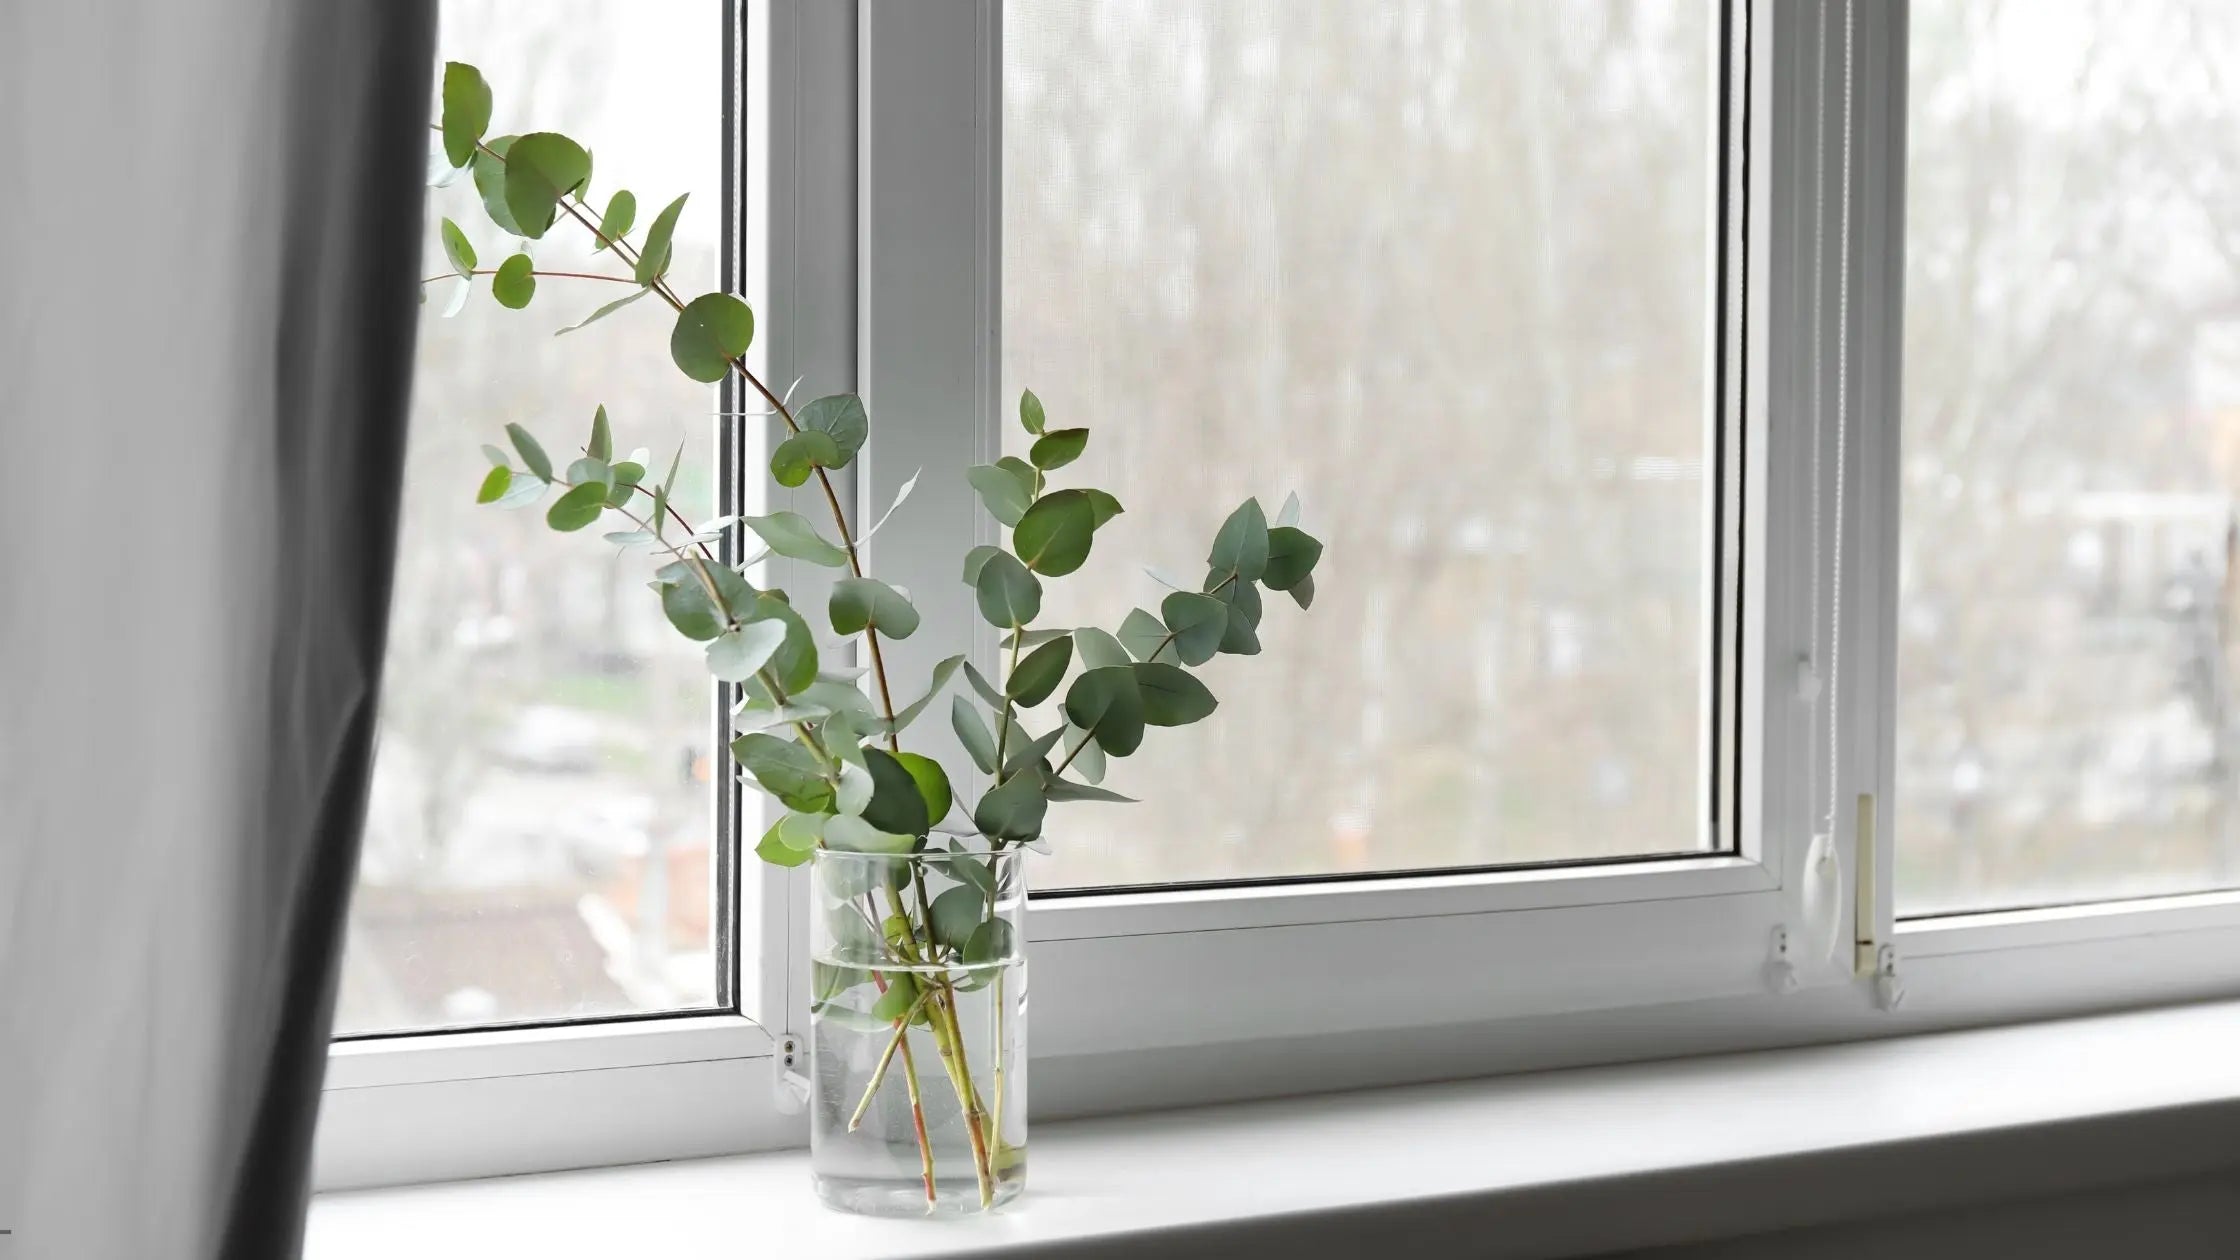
pixel 876 122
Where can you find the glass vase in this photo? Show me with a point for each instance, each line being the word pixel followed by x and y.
pixel 918 1028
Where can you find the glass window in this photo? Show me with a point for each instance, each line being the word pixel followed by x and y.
pixel 2071 454
pixel 1465 310
pixel 540 841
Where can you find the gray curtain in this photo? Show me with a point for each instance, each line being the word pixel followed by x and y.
pixel 208 234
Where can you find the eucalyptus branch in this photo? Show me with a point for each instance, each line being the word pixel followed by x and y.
pixel 565 275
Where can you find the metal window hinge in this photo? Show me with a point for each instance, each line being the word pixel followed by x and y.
pixel 1781 964
pixel 788 1083
pixel 1808 680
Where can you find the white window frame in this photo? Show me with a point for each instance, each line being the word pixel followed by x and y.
pixel 874 126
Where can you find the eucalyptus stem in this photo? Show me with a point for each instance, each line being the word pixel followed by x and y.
pixel 879 1073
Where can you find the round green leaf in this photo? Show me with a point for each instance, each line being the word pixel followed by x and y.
pixel 622 211
pixel 1012 809
pixel 786 770
pixel 955 915
pixel 490 183
pixel 794 664
pixel 991 942
pixel 802 454
pixel 841 418
pixel 860 602
pixel 1105 703
pixel 515 282
pixel 653 260
pixel 897 1001
pixel 541 168
pixel 1003 492
pixel 1040 673
pixel 712 330
pixel 774 850
pixel 1008 595
pixel 458 249
pixel 1302 593
pixel 579 507
pixel 977 559
pixel 1171 696
pixel 1030 411
pixel 737 654
pixel 1292 553
pixel 1058 447
pixel 494 485
pixel 1054 535
pixel 896 806
pixel 1197 623
pixel 466 111
pixel 932 781
pixel 1241 546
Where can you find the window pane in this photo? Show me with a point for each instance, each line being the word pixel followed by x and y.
pixel 539 843
pixel 2072 448
pixel 1444 269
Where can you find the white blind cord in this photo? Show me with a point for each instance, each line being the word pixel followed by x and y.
pixel 1823 882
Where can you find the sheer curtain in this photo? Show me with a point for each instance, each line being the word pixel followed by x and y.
pixel 206 315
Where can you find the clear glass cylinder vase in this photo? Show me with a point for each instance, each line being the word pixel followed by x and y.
pixel 918 1029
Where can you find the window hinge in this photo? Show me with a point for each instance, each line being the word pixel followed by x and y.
pixel 787 1080
pixel 1781 965
pixel 1808 680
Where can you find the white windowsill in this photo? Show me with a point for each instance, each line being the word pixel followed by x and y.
pixel 1551 1163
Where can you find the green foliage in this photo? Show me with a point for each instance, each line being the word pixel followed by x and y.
pixel 1058 447
pixel 799 456
pixel 955 916
pixel 490 183
pixel 1147 638
pixel 604 311
pixel 806 735
pixel 860 603
pixel 458 249
pixel 1241 548
pixel 1170 695
pixel 932 783
pixel 1013 809
pixel 601 444
pixel 1106 704
pixel 791 535
pixel 943 670
pixel 515 283
pixel 1197 624
pixel 580 506
pixel 896 805
pixel 622 211
pixel 1040 673
pixel 653 260
pixel 541 168
pixel 1292 553
pixel 786 770
pixel 1053 535
pixel 973 733
pixel 1008 595
pixel 711 331
pixel 735 655
pixel 841 419
pixel 466 112
pixel 1002 491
